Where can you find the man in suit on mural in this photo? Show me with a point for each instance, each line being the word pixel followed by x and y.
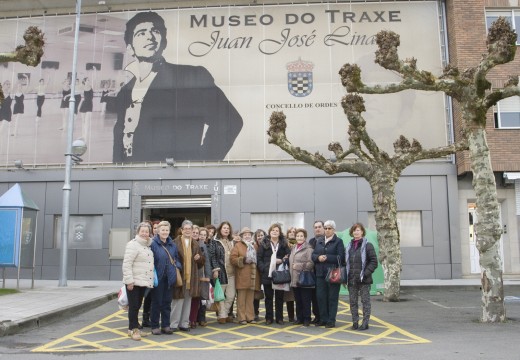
pixel 169 110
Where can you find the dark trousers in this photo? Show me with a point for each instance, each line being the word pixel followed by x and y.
pixel 278 302
pixel 354 290
pixel 201 314
pixel 290 309
pixel 315 307
pixel 328 297
pixel 135 299
pixel 161 304
pixel 147 306
pixel 303 299
pixel 256 306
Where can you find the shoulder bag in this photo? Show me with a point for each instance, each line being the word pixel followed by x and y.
pixel 178 283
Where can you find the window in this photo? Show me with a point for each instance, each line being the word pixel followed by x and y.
pixel 513 16
pixel 507 113
pixel 409 224
pixel 286 220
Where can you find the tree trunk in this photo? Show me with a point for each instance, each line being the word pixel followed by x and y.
pixel 488 229
pixel 385 205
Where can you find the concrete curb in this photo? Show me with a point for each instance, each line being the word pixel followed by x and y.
pixel 13 327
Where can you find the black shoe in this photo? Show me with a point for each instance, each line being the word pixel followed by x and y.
pixel 268 322
pixel 298 322
pixel 321 323
pixel 355 325
pixel 330 325
pixel 257 319
pixel 292 320
pixel 306 323
pixel 364 326
pixel 184 329
pixel 279 322
pixel 315 321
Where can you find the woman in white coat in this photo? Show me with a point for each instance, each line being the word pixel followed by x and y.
pixel 137 274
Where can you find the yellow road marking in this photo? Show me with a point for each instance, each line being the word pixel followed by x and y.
pixel 111 334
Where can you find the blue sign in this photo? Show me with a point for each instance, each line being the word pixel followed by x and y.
pixel 9 237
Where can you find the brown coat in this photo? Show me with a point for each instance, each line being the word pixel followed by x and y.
pixel 246 275
pixel 178 292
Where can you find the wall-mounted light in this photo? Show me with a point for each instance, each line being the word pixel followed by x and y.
pixel 18 164
pixel 170 162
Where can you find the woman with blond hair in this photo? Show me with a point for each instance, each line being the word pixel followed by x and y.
pixel 138 264
pixel 166 259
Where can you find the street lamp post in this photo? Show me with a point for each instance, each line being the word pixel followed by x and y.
pixel 68 158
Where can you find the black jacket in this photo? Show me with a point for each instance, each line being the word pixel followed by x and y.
pixel 355 265
pixel 179 103
pixel 264 253
pixel 335 251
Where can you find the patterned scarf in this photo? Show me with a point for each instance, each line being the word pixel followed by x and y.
pixel 251 252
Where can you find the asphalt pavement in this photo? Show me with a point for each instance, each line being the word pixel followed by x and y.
pixel 426 304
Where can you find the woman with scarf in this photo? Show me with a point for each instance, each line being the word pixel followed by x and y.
pixel 272 251
pixel 192 261
pixel 165 256
pixel 328 252
pixel 361 261
pixel 301 260
pixel 137 275
pixel 220 253
pixel 288 296
pixel 243 258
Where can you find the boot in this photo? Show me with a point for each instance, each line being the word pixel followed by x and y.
pixel 364 324
pixel 146 320
pixel 355 325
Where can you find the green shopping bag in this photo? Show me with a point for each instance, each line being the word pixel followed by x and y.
pixel 218 292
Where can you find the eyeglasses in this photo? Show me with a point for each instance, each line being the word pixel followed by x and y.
pixel 329 228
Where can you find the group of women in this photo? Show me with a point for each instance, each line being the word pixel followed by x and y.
pixel 243 263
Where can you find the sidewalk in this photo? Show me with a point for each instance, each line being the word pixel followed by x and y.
pixel 47 302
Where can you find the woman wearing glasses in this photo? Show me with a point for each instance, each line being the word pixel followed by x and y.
pixel 328 252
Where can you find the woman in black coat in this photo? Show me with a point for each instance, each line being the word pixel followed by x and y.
pixel 272 246
pixel 361 263
pixel 329 251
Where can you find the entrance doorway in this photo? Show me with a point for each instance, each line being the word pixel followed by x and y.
pixel 177 209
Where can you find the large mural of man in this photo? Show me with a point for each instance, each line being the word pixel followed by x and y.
pixel 169 110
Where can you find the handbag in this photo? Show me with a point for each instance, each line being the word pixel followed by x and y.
pixel 218 292
pixel 307 279
pixel 337 275
pixel 282 275
pixel 178 282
